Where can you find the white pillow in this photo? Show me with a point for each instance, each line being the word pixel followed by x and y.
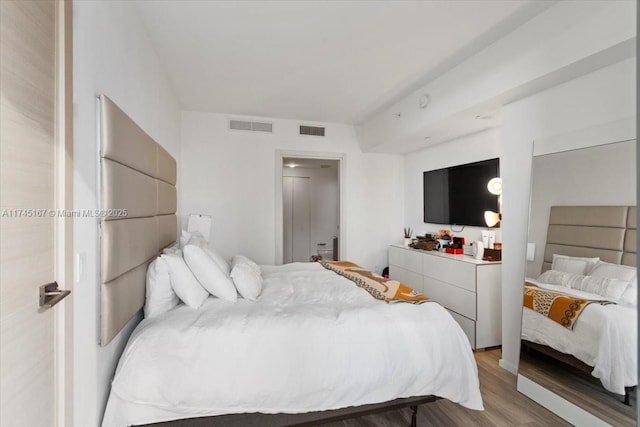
pixel 630 295
pixel 614 271
pixel 160 295
pixel 576 265
pixel 173 249
pixel 247 279
pixel 210 276
pixel 554 277
pixel 184 238
pixel 218 259
pixel 611 289
pixel 196 238
pixel 241 259
pixel 184 283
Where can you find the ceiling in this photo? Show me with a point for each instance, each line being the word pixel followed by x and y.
pixel 326 61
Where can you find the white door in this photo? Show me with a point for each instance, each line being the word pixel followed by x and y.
pixel 29 167
pixel 296 219
pixel 287 219
pixel 301 219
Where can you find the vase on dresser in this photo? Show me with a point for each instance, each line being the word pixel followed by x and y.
pixel 407 241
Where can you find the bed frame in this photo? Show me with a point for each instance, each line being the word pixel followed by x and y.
pixel 300 420
pixel 608 232
pixel 138 195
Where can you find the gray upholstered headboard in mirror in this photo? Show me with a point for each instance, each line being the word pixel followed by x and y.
pixel 608 232
pixel 138 202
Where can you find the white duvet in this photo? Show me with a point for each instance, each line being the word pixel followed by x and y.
pixel 604 336
pixel 313 341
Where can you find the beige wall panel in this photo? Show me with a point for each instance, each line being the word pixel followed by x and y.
pixel 137 175
pixel 167 230
pixel 167 198
pixel 630 241
pixel 126 188
pixel 632 218
pixel 629 259
pixel 593 237
pixel 167 168
pixel 126 244
pixel 125 142
pixel 120 300
pixel 605 255
pixel 602 216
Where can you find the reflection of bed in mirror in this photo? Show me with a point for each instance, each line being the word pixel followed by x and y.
pixel 581 372
pixel 600 243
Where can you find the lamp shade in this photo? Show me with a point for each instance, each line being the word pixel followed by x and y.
pixel 492 218
pixel 495 186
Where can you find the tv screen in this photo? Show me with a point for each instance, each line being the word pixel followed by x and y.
pixel 459 195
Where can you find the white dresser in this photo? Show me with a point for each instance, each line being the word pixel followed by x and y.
pixel 467 287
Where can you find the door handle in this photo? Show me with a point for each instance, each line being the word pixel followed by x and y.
pixel 50 294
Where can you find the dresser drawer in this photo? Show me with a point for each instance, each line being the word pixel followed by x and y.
pixel 468 327
pixel 405 258
pixel 456 299
pixel 407 277
pixel 459 273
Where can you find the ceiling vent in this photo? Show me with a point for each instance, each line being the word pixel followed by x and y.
pixel 251 126
pixel 311 130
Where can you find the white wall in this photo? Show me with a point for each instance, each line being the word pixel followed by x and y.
pixel 112 56
pixel 324 195
pixel 231 175
pixel 473 148
pixel 588 102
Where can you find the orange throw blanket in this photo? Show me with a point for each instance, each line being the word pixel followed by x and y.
pixel 387 290
pixel 561 308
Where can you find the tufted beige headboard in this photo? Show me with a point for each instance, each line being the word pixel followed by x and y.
pixel 608 232
pixel 138 214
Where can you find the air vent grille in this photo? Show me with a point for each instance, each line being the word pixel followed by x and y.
pixel 251 126
pixel 311 130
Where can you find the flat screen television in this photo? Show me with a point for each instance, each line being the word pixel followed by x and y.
pixel 458 195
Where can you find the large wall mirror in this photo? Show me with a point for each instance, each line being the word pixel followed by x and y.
pixel 579 325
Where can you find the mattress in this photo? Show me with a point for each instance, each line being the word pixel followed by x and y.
pixel 604 337
pixel 313 341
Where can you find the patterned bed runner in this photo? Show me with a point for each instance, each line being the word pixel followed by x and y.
pixel 380 288
pixel 561 308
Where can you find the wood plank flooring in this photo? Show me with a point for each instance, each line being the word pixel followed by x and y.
pixel 504 406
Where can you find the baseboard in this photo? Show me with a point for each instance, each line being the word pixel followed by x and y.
pixel 508 366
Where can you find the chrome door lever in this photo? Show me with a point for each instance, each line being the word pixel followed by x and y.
pixel 50 294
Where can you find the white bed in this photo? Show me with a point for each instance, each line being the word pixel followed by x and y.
pixel 604 337
pixel 313 341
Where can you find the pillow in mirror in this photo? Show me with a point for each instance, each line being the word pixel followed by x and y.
pixel 614 271
pixel 572 264
pixel 630 295
pixel 612 289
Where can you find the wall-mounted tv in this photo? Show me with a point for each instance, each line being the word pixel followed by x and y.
pixel 459 195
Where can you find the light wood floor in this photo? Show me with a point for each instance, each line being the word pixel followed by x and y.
pixel 504 406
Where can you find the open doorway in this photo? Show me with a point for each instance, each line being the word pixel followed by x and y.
pixel 310 207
